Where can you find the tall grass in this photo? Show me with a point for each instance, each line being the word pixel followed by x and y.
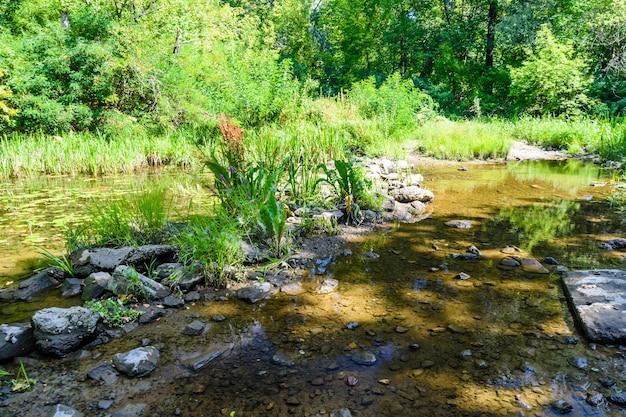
pixel 90 154
pixel 463 140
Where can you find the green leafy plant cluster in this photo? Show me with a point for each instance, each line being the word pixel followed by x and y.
pixel 350 185
pixel 133 220
pixel 61 262
pixel 21 382
pixel 113 312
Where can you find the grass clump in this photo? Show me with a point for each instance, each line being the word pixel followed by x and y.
pixel 22 382
pixel 113 312
pixel 463 140
pixel 132 221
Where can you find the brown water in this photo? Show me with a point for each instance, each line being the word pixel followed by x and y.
pixel 497 344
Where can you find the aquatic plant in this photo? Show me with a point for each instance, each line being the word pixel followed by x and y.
pixel 273 218
pixel 349 183
pixel 113 312
pixel 21 382
pixel 61 262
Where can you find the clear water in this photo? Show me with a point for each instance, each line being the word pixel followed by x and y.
pixel 496 344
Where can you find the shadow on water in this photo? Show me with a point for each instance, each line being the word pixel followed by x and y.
pixel 499 342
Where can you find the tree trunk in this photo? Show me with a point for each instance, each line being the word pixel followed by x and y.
pixel 491 33
pixel 179 40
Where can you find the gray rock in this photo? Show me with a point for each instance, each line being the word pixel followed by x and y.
pixel 327 286
pixel 16 340
pixel 613 244
pixel 598 299
pixel 87 261
pixel 412 193
pixel 283 359
pixel 218 318
pixel 173 301
pixel 256 292
pixel 509 262
pixel 533 266
pixel 105 404
pixel 143 255
pixel 137 362
pixel 61 410
pixel 71 287
pixel 578 362
pixel 618 399
pixel 194 328
pixel 126 280
pixel 340 412
pixel 364 358
pixel 59 331
pixel 459 224
pixel 104 372
pixel 562 407
pixel 251 254
pixel 29 287
pixel 201 359
pixel 389 204
pixel 293 288
pixel 132 410
pixel 95 285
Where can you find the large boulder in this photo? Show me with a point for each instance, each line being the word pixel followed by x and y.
pixel 59 331
pixel 412 193
pixel 598 300
pixel 16 340
pixel 88 261
pixel 137 362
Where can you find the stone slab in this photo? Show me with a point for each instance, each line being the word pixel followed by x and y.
pixel 598 300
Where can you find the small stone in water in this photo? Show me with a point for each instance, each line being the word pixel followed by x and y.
pixel 352 325
pixel 384 381
pixel 401 329
pixel 462 276
pixel 351 381
pixel 562 407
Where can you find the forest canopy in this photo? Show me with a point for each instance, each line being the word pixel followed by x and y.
pixel 157 65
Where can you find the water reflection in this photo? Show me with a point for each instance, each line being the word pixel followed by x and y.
pixel 539 222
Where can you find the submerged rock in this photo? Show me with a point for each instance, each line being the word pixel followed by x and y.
pixel 137 362
pixel 61 410
pixel 459 224
pixel 533 266
pixel 256 292
pixel 365 357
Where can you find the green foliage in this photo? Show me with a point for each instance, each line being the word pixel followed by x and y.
pixel 131 221
pixel 61 262
pixel 113 312
pixel 273 218
pixel 396 101
pixel 214 243
pixel 350 185
pixel 21 382
pixel 7 113
pixel 464 140
pixel 552 80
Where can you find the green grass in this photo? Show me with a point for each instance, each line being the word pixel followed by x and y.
pixel 90 154
pixel 463 140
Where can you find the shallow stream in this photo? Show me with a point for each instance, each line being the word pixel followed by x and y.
pixel 402 335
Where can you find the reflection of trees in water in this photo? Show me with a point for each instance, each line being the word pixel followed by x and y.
pixel 541 222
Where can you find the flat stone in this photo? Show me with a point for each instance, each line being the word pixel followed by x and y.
pixel 137 362
pixel 293 288
pixel 203 358
pixel 364 358
pixel 194 328
pixel 598 298
pixel 533 266
pixel 61 410
pixel 459 224
pixel 327 286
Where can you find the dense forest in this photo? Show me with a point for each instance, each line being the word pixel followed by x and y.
pixel 106 65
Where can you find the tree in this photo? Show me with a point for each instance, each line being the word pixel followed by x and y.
pixel 552 80
pixel 6 111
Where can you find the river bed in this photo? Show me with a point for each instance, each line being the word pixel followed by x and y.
pixel 402 335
